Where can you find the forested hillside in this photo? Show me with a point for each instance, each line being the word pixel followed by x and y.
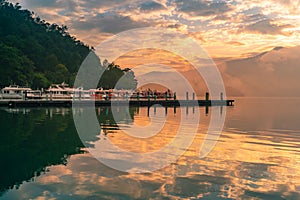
pixel 36 53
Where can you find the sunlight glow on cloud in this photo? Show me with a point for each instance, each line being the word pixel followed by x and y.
pixel 230 28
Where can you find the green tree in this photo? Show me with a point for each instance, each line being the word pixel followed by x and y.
pixel 36 53
pixel 15 67
pixel 115 77
pixel 40 81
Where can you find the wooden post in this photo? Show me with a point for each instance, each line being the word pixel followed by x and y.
pixel 187 96
pixel 221 96
pixel 174 95
pixel 221 110
pixel 206 110
pixel 207 96
pixel 25 95
pixel 193 96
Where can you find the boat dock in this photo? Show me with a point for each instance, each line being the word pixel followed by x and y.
pixel 142 103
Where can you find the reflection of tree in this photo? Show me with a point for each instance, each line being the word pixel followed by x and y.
pixel 123 115
pixel 107 121
pixel 29 143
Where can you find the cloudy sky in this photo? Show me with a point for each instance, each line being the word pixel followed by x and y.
pixel 233 28
pixel 235 33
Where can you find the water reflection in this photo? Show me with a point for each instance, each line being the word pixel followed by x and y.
pixel 257 156
pixel 31 140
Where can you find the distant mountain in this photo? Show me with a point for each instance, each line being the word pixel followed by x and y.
pixel 273 73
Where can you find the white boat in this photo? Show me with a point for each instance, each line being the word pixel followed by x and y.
pixel 80 93
pixel 14 92
pixel 63 91
pixel 100 94
pixel 33 94
pixel 59 91
pixel 122 94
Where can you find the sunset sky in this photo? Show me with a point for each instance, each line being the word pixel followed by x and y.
pixel 233 28
pixel 244 38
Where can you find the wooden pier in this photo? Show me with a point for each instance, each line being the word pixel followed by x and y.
pixel 142 103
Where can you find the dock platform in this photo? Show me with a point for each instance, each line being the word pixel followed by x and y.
pixel 143 103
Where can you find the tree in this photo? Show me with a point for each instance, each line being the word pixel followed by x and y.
pixel 114 76
pixel 15 67
pixel 37 53
pixel 40 81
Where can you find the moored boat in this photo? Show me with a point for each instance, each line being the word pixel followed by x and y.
pixel 99 94
pixel 59 91
pixel 33 94
pixel 14 92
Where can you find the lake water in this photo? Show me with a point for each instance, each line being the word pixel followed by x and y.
pixel 256 157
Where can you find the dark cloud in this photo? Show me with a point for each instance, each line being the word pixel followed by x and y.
pixel 43 3
pixel 261 24
pixel 149 6
pixel 90 4
pixel 265 27
pixel 109 23
pixel 284 2
pixel 201 8
pixel 70 6
pixel 221 17
pixel 175 26
pixel 235 43
pixel 253 18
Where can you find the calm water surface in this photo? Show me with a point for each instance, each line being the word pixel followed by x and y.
pixel 256 157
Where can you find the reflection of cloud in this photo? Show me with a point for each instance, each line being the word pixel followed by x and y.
pixel 275 162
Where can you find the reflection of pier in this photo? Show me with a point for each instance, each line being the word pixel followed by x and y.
pixel 69 103
pixel 187 108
